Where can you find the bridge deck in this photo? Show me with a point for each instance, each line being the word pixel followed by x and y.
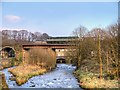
pixel 46 45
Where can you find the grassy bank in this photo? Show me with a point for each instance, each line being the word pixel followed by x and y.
pixel 91 81
pixel 23 73
pixel 8 63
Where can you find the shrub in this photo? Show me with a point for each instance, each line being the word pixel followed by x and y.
pixel 42 57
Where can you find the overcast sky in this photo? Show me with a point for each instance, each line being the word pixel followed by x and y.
pixel 59 18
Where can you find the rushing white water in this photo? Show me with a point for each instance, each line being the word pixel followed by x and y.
pixel 61 77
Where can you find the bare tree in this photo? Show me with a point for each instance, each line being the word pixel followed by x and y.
pixel 78 43
pixel 99 55
pixel 14 34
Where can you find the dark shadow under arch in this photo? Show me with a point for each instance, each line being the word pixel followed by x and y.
pixel 60 60
pixel 7 52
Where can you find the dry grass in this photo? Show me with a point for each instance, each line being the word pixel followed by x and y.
pixel 9 62
pixel 90 80
pixel 98 83
pixel 24 72
pixel 5 64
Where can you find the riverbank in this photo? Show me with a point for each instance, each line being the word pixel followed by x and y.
pixel 8 62
pixel 23 73
pixel 89 80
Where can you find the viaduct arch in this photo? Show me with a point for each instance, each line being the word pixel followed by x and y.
pixel 7 52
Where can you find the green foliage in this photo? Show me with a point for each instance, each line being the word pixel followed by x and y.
pixel 20 57
pixel 82 74
pixel 110 76
pixel 12 61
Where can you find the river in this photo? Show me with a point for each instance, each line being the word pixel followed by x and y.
pixel 61 77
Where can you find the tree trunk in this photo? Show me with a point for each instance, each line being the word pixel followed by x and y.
pixel 99 56
pixel 107 63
